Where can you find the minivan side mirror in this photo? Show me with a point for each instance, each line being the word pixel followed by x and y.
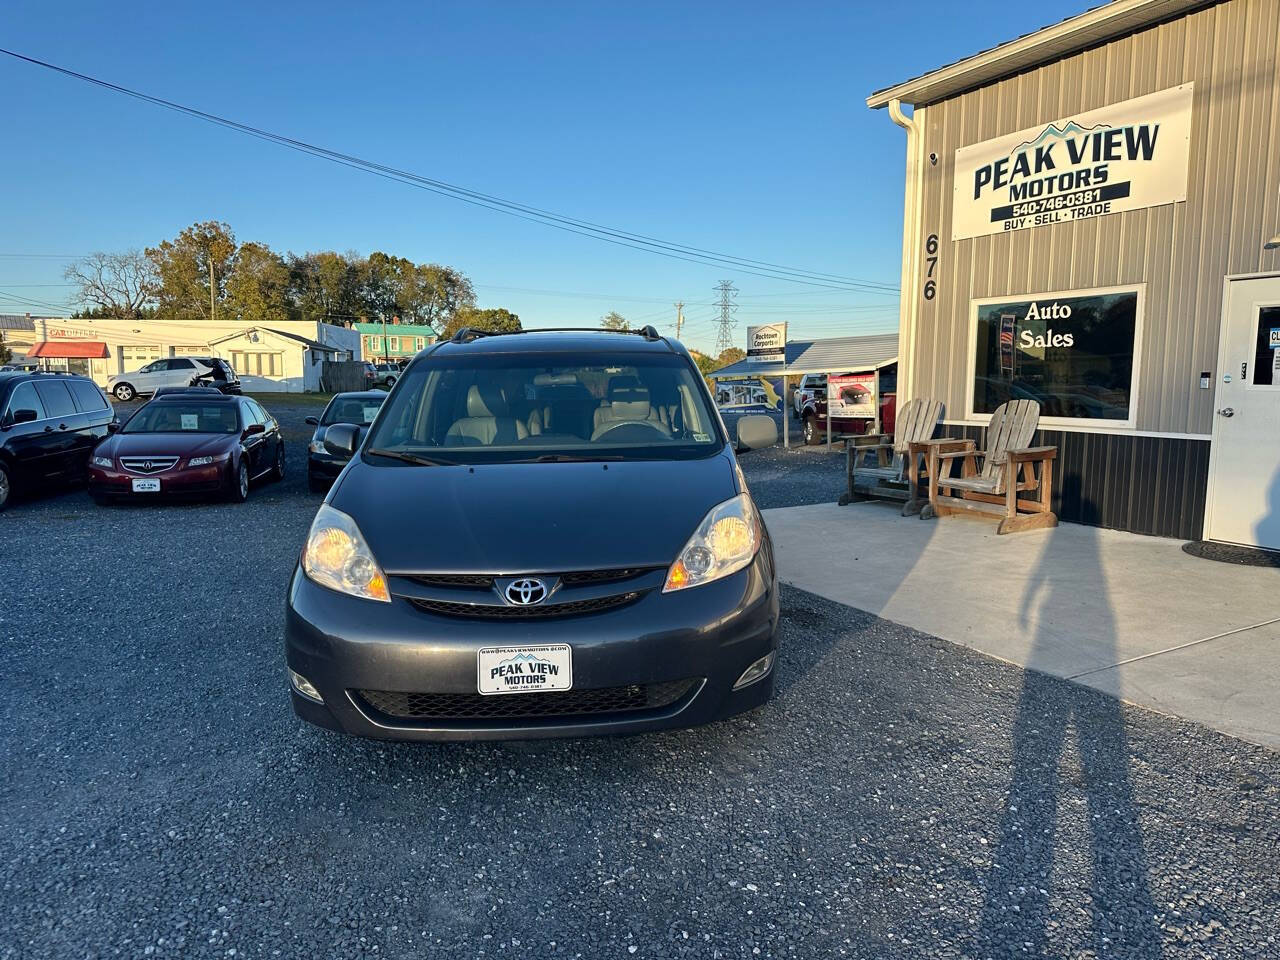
pixel 756 431
pixel 342 439
pixel 25 416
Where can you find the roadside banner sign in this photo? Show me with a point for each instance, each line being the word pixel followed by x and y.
pixel 767 343
pixel 851 395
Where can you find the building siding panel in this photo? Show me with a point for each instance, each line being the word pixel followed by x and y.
pixel 1148 485
pixel 1180 251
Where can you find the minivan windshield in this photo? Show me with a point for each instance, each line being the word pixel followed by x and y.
pixel 193 417
pixel 513 407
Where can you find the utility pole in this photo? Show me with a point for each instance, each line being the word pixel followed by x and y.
pixel 679 317
pixel 213 292
pixel 384 338
pixel 724 339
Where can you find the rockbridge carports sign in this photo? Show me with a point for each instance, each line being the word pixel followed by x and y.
pixel 1121 157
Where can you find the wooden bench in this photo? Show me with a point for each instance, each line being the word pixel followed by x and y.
pixel 1009 470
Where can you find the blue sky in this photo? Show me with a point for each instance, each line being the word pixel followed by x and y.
pixel 736 127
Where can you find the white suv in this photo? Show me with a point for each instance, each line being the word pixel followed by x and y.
pixel 170 372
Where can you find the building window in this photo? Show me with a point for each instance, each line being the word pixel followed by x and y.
pixel 420 343
pixel 394 344
pixel 1266 360
pixel 257 364
pixel 1074 353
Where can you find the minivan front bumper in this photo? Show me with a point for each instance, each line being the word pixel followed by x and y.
pixel 685 649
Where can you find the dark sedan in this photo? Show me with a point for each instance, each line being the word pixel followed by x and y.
pixel 187 444
pixel 359 408
pixel 543 534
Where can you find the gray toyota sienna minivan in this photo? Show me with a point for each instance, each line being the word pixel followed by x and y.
pixel 541 534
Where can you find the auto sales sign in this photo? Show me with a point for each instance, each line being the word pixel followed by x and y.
pixel 1125 156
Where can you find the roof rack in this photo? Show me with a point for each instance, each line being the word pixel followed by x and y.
pixel 467 334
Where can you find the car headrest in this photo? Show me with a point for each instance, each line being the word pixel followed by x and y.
pixel 630 403
pixel 626 382
pixel 485 401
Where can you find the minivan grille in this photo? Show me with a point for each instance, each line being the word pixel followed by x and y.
pixel 558 703
pixel 496 611
pixel 147 464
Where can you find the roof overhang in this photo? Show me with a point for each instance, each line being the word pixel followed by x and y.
pixel 70 349
pixel 1076 33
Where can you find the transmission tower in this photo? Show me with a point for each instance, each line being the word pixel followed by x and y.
pixel 724 339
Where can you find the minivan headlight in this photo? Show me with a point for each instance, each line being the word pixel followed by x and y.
pixel 726 541
pixel 337 557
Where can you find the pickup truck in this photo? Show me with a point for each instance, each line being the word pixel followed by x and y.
pixel 811 405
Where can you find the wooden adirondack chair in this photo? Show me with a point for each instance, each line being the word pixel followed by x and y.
pixel 896 473
pixel 1009 469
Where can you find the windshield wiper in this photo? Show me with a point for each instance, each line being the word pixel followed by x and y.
pixel 415 459
pixel 564 458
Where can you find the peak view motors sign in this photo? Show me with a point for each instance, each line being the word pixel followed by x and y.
pixel 1122 157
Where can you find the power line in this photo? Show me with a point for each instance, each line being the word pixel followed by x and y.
pixel 522 211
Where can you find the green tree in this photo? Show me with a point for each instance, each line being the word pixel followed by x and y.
pixel 326 286
pixel 729 356
pixel 182 266
pixel 705 364
pixel 257 288
pixel 494 320
pixel 614 321
pixel 5 353
pixel 440 293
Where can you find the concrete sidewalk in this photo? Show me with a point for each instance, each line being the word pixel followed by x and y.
pixel 1131 615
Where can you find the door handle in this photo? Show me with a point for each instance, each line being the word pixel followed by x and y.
pixel 1227 412
pixel 48 429
pixel 62 426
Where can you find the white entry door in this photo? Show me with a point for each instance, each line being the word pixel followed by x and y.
pixel 1244 480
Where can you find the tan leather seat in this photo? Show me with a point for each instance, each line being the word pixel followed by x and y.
pixel 487 421
pixel 624 391
pixel 627 405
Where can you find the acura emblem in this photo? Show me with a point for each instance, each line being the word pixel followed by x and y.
pixel 526 591
pixel 146 465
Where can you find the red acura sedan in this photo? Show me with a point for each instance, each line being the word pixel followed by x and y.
pixel 189 444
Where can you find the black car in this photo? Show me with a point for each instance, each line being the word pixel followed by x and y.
pixel 49 425
pixel 542 534
pixel 196 443
pixel 357 408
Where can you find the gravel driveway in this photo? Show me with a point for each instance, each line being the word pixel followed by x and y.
pixel 901 797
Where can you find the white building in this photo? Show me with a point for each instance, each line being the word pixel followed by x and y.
pixel 286 356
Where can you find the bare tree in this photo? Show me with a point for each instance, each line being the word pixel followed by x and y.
pixel 115 284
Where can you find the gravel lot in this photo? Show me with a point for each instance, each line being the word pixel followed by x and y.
pixel 901 797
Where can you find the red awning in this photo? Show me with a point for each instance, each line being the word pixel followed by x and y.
pixel 92 349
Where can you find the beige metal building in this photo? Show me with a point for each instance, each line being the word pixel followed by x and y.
pixel 1092 219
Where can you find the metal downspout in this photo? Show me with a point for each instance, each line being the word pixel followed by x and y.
pixel 910 254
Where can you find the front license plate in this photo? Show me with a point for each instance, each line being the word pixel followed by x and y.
pixel 146 486
pixel 524 669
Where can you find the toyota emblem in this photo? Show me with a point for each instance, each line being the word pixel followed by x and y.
pixel 526 591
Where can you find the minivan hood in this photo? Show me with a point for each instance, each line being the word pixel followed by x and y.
pixel 531 517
